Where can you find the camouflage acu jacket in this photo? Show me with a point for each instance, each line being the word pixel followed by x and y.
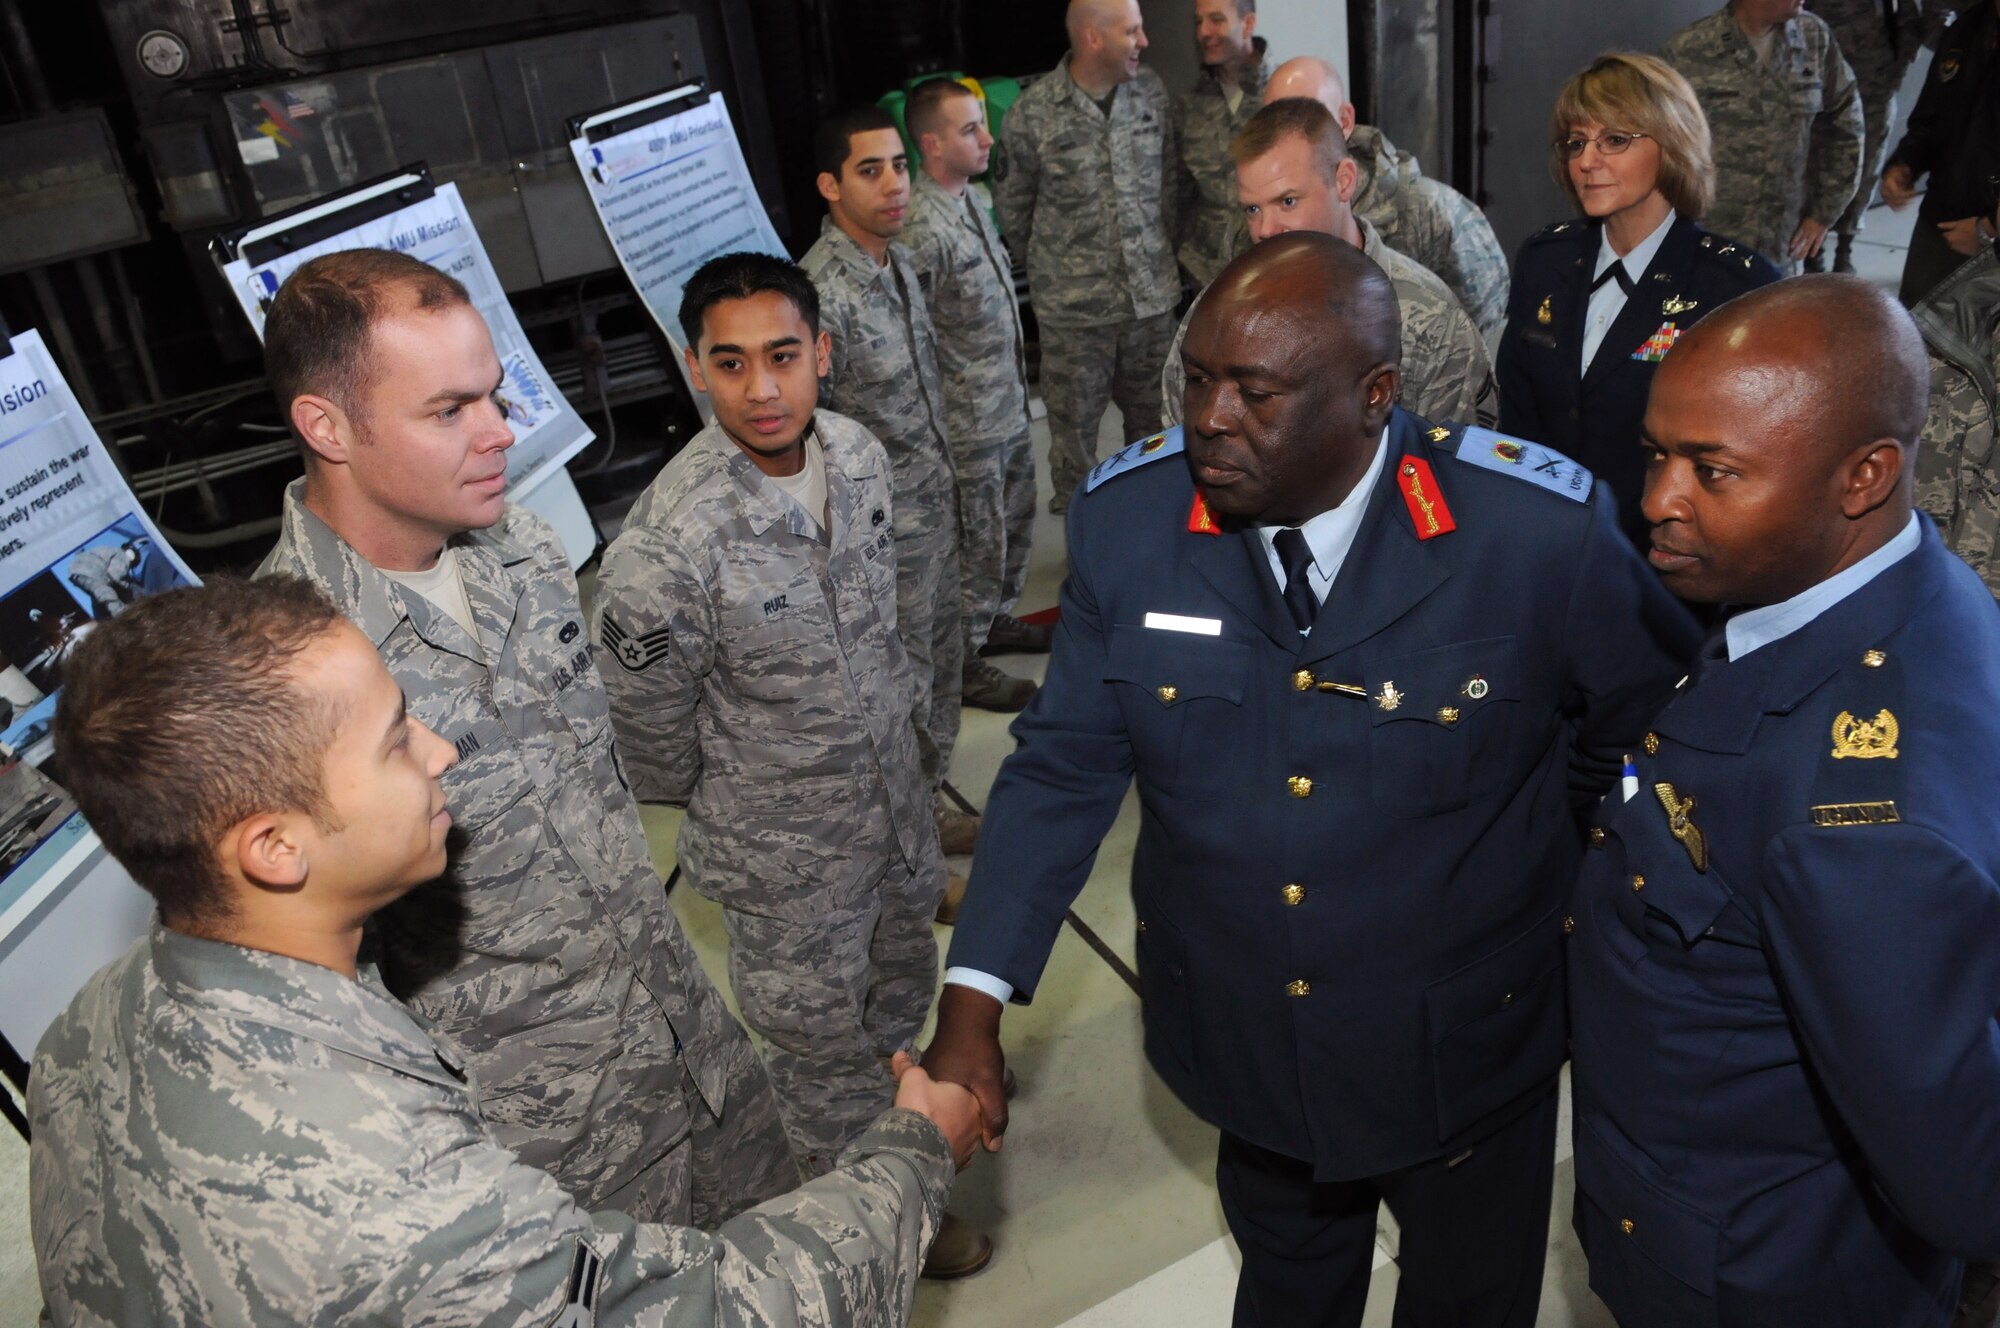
pixel 773 697
pixel 885 365
pixel 1880 50
pixel 1447 374
pixel 1084 197
pixel 1787 135
pixel 1433 223
pixel 225 1136
pixel 548 952
pixel 1958 468
pixel 1204 177
pixel 968 285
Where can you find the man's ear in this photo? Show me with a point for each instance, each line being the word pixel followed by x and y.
pixel 1250 25
pixel 1346 179
pixel 1346 118
pixel 324 427
pixel 829 186
pixel 1874 473
pixel 268 850
pixel 694 369
pixel 823 353
pixel 1383 384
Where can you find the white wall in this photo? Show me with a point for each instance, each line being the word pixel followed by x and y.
pixel 1305 27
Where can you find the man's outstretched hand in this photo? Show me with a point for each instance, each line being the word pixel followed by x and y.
pixel 950 1107
pixel 966 1050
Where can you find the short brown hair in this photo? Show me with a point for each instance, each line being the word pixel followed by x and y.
pixel 1292 115
pixel 179 719
pixel 1641 94
pixel 316 335
pixel 925 106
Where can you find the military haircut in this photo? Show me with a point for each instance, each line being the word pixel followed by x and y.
pixel 1303 116
pixel 1640 94
pixel 316 335
pixel 179 719
pixel 1306 268
pixel 924 111
pixel 834 138
pixel 740 276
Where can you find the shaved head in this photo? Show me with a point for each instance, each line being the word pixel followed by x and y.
pixel 1780 430
pixel 1086 15
pixel 1310 77
pixel 1291 360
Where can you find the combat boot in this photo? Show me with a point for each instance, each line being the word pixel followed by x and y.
pixel 989 689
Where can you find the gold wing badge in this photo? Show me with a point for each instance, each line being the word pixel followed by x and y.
pixel 1680 820
pixel 1865 739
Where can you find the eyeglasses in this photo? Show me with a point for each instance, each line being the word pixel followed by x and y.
pixel 1610 144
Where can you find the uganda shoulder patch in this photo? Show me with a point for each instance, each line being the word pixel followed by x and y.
pixel 1133 455
pixel 635 654
pixel 1527 461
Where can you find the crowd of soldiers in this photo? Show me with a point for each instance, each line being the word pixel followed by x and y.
pixel 416 1036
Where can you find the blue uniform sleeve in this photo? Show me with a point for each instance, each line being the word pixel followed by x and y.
pixel 1054 800
pixel 1627 643
pixel 1886 945
pixel 1520 413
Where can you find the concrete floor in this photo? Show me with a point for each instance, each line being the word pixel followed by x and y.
pixel 1102 1203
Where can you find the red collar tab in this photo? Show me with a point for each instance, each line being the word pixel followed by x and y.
pixel 1420 493
pixel 1200 522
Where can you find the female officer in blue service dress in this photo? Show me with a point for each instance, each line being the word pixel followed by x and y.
pixel 1598 301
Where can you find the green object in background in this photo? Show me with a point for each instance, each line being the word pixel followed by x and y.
pixel 999 93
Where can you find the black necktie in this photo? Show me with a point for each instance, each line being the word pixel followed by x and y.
pixel 1298 561
pixel 1616 272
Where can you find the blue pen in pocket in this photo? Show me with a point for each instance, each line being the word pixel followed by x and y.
pixel 1630 781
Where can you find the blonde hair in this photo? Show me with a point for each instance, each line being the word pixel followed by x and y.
pixel 1640 94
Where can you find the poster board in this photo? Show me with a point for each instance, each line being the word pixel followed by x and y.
pixel 76 548
pixel 668 178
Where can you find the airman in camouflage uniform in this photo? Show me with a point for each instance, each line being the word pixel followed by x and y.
pixel 1879 48
pixel 1081 190
pixel 1447 374
pixel 1204 176
pixel 1958 466
pixel 109 576
pixel 1432 223
pixel 774 704
pixel 230 1136
pixel 982 357
pixel 607 1057
pixel 1788 134
pixel 885 377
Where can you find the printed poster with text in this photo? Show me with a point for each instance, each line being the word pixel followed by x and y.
pixel 672 195
pixel 547 429
pixel 76 549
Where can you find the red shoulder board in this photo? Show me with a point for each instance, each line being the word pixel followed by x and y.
pixel 1199 520
pixel 1420 492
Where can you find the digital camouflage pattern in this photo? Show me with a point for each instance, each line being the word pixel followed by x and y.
pixel 1958 467
pixel 774 704
pixel 968 285
pixel 1083 197
pixel 1083 368
pixel 1447 374
pixel 1880 51
pixel 548 952
pixel 1432 223
pixel 885 377
pixel 226 1136
pixel 1204 178
pixel 1788 136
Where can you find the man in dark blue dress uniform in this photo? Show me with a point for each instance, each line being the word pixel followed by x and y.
pixel 1371 678
pixel 1783 970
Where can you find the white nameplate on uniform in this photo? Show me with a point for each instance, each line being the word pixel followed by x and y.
pixel 1174 622
pixel 1527 461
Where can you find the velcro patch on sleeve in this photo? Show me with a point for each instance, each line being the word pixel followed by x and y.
pixel 1539 465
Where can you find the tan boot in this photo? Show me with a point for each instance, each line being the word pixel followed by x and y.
pixel 960 1250
pixel 957 831
pixel 954 896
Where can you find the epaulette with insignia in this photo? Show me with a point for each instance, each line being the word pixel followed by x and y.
pixel 1524 460
pixel 1861 771
pixel 1133 455
pixel 1559 230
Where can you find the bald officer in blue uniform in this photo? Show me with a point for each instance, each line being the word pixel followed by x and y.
pixel 1370 677
pixel 1783 971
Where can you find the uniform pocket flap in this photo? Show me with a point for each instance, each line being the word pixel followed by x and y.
pixel 1690 901
pixel 1674 1236
pixel 1177 666
pixel 1497 981
pixel 1445 685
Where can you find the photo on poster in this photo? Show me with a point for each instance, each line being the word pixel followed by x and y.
pixel 45 618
